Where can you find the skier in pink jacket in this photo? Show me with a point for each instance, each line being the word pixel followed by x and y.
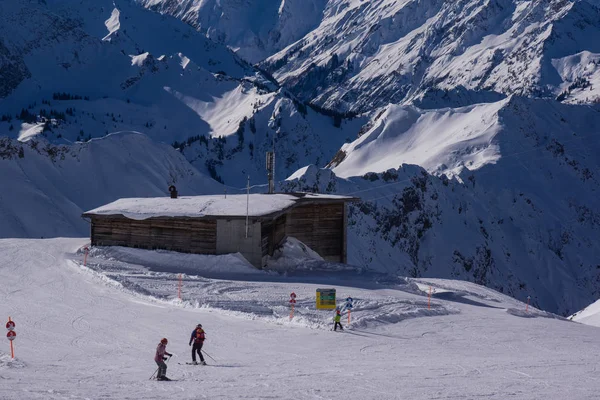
pixel 159 358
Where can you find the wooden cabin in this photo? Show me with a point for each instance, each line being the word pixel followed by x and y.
pixel 253 225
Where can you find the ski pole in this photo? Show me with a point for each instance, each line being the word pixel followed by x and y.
pixel 208 355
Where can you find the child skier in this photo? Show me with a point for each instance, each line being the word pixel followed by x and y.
pixel 337 319
pixel 159 358
pixel 198 339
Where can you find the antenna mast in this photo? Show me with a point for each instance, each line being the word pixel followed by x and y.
pixel 271 171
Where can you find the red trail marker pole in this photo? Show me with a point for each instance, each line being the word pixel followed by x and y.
pixel 527 307
pixel 87 250
pixel 292 303
pixel 10 335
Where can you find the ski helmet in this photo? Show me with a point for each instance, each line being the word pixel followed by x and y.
pixel 199 326
pixel 164 341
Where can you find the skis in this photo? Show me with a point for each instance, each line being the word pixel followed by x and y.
pixel 191 363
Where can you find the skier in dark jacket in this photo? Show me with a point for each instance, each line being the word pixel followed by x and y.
pixel 159 358
pixel 198 339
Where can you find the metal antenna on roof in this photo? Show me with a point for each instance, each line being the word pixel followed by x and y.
pixel 247 204
pixel 271 170
pixel 273 165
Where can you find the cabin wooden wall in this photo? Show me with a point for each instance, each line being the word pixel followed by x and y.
pixel 321 227
pixel 176 234
pixel 272 233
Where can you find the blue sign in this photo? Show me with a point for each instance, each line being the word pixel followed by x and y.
pixel 349 301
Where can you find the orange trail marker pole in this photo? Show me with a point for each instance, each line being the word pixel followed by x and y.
pixel 179 289
pixel 429 299
pixel 349 317
pixel 527 307
pixel 292 312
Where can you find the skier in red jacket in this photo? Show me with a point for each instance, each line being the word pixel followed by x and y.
pixel 198 339
pixel 159 358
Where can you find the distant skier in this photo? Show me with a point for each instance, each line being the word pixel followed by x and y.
pixel 159 358
pixel 198 339
pixel 337 319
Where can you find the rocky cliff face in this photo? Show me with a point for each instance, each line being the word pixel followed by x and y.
pixel 255 29
pixel 368 54
pixel 352 56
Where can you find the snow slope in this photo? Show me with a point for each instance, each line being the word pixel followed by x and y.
pixel 485 347
pixel 443 141
pixel 46 188
pixel 589 315
pixel 581 77
pixel 448 140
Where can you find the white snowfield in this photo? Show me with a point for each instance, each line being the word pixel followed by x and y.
pixel 589 315
pixel 91 333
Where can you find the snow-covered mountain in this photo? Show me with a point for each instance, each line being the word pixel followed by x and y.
pixel 448 140
pixel 350 55
pixel 255 29
pixel 367 54
pixel 46 188
pixel 508 197
pixel 78 70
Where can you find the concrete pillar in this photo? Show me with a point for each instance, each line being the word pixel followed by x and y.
pixel 231 238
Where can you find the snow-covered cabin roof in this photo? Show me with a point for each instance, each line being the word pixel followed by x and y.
pixel 260 205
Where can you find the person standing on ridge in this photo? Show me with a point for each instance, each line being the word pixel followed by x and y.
pixel 159 358
pixel 337 319
pixel 198 339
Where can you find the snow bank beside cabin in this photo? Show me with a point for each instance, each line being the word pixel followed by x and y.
pixel 174 262
pixel 291 254
pixel 229 284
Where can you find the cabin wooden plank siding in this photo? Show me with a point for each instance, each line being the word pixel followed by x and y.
pixel 319 221
pixel 197 236
pixel 321 227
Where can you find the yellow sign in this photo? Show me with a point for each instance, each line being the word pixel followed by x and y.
pixel 325 299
